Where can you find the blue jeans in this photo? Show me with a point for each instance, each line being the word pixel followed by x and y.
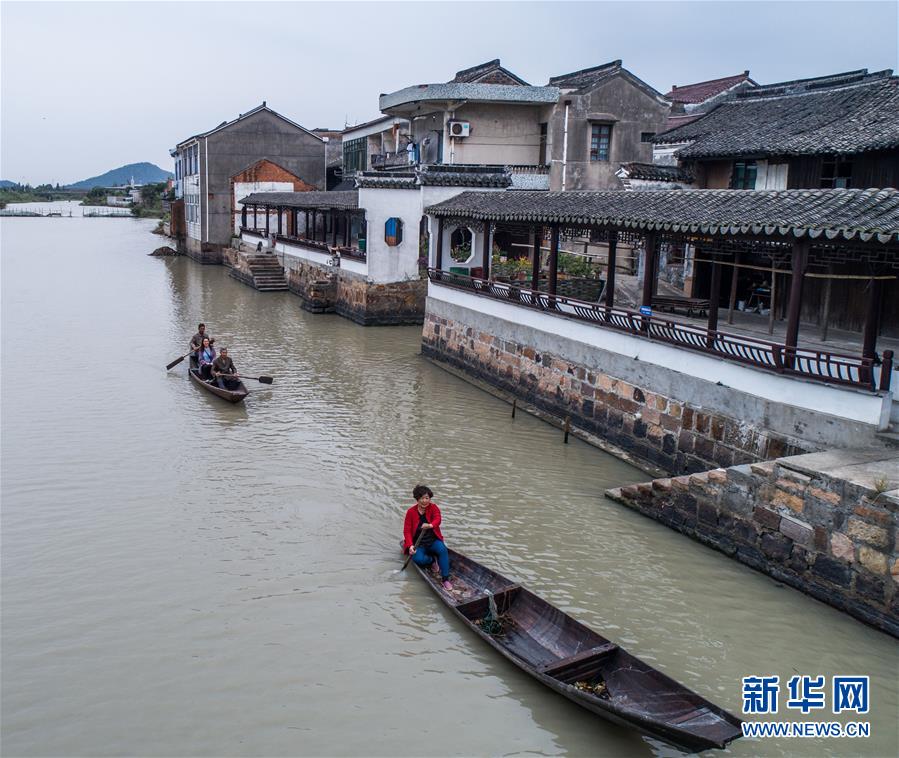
pixel 424 556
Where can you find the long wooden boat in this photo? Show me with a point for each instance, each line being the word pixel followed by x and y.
pixel 232 396
pixel 577 662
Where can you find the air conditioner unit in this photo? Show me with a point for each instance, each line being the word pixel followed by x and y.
pixel 458 128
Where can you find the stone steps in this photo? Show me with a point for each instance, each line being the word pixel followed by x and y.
pixel 267 272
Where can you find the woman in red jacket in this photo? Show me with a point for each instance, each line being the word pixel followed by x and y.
pixel 423 520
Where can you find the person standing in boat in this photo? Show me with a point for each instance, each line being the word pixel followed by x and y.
pixel 206 357
pixel 196 342
pixel 422 527
pixel 222 366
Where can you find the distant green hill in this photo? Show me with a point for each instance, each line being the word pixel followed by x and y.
pixel 6 183
pixel 142 173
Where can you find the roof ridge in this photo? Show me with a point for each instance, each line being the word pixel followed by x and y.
pixel 744 74
pixel 611 64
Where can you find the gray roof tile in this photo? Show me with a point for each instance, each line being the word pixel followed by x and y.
pixel 825 213
pixel 347 200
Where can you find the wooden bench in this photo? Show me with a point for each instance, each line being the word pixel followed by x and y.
pixel 581 662
pixel 672 303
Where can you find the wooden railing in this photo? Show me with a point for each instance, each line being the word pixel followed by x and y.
pixel 810 364
pixel 322 247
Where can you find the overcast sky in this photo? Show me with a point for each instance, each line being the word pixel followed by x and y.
pixel 87 87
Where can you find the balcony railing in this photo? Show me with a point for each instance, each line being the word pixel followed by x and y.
pixel 810 364
pixel 323 247
pixel 390 160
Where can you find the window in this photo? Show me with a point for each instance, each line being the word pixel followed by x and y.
pixel 541 157
pixel 743 175
pixel 355 154
pixel 836 171
pixel 647 136
pixel 600 137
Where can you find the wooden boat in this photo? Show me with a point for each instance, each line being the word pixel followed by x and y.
pixel 577 662
pixel 232 396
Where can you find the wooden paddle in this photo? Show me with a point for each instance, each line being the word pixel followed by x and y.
pixel 263 379
pixel 178 360
pixel 414 547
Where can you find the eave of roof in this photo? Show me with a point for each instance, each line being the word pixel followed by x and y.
pixel 346 200
pixel 500 93
pixel 863 215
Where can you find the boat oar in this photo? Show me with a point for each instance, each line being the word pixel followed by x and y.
pixel 414 547
pixel 263 379
pixel 178 360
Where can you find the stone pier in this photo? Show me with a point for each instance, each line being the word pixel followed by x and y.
pixel 825 523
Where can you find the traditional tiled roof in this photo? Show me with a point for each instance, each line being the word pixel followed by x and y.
pixel 436 175
pixel 825 213
pixel 491 72
pixel 657 173
pixel 586 78
pixel 348 200
pixel 800 118
pixel 702 91
pixel 675 120
pixel 464 176
pixel 386 180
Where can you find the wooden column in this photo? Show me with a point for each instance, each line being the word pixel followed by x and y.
pixel 872 320
pixel 714 298
pixel 438 249
pixel 280 214
pixel 733 288
pixel 535 264
pixel 314 224
pixel 649 268
pixel 610 273
pixel 825 308
pixel 346 228
pixel 488 249
pixel 255 223
pixel 243 216
pixel 306 225
pixel 794 309
pixel 553 259
pixel 267 215
pixel 333 216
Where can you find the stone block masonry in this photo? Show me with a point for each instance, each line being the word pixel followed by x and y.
pixel 660 429
pixel 390 304
pixel 823 523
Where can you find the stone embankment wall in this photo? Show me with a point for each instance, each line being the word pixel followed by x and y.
pixel 202 252
pixel 823 523
pixel 637 416
pixel 381 304
pixel 315 285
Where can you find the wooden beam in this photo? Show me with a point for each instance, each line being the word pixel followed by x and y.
pixel 553 259
pixel 714 298
pixel 438 250
pixel 535 263
pixel 649 268
pixel 733 288
pixel 872 320
pixel 610 273
pixel 794 308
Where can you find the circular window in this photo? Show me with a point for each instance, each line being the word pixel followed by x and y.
pixel 461 245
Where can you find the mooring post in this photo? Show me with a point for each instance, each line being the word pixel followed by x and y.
pixel 567 428
pixel 514 406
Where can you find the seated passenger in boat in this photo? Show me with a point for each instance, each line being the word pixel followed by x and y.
pixel 206 357
pixel 422 528
pixel 196 342
pixel 222 366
